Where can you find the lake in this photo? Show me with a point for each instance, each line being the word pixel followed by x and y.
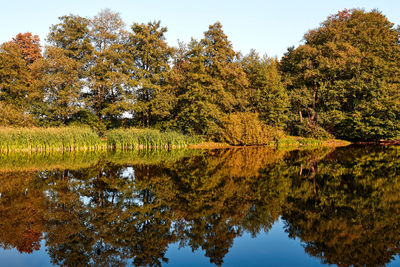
pixel 229 207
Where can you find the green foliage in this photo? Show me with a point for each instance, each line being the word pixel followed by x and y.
pixel 133 138
pixel 310 130
pixel 150 55
pixel 72 35
pixel 343 81
pixel 268 96
pixel 208 82
pixel 346 76
pixel 86 118
pixel 61 84
pixel 109 73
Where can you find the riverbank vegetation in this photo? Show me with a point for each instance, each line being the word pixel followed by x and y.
pixel 85 138
pixel 341 82
pixel 43 139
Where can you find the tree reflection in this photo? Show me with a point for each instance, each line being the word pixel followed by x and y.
pixel 343 204
pixel 353 220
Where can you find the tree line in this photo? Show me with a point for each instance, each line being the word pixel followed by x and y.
pixel 342 81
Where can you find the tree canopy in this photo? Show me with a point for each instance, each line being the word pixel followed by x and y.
pixel 342 81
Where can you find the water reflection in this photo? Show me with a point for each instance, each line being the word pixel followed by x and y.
pixel 127 208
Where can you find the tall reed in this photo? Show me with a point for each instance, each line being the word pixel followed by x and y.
pixel 44 139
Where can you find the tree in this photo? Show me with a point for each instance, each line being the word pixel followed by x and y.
pixel 209 83
pixel 150 55
pixel 195 111
pixel 15 89
pixel 73 35
pixel 222 64
pixel 268 96
pixel 108 95
pixel 61 85
pixel 345 76
pixel 64 69
pixel 29 46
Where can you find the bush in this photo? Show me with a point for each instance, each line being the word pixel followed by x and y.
pixel 246 129
pixel 84 118
pixel 311 130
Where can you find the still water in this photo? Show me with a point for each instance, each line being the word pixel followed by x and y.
pixel 229 207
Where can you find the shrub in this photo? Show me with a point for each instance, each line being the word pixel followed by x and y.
pixel 246 129
pixel 310 130
pixel 84 118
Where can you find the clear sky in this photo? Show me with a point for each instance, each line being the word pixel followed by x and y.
pixel 268 26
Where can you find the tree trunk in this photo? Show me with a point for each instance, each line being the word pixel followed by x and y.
pixel 148 118
pixel 301 116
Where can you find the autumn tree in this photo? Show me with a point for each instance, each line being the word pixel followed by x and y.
pixel 15 89
pixel 150 55
pixel 29 46
pixel 345 76
pixel 19 96
pixel 222 64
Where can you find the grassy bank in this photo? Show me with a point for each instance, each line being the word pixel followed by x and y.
pixel 44 139
pixel 81 138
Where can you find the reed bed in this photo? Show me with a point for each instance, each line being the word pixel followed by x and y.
pixel 133 138
pixel 45 139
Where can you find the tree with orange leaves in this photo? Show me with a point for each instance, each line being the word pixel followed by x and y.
pixel 29 46
pixel 19 94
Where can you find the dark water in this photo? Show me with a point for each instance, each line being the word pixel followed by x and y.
pixel 243 207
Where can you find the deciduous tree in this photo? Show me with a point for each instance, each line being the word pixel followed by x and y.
pixel 150 55
pixel 345 76
pixel 267 94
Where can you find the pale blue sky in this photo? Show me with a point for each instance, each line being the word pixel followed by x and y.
pixel 267 26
